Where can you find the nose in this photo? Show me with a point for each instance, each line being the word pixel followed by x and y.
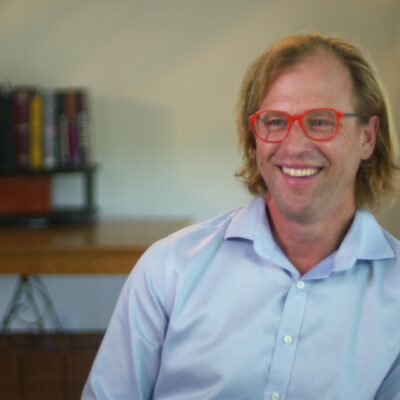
pixel 296 141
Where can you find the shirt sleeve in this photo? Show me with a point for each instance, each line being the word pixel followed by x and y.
pixel 390 388
pixel 127 363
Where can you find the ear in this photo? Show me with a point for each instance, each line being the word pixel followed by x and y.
pixel 368 137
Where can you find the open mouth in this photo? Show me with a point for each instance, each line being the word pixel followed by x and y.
pixel 300 172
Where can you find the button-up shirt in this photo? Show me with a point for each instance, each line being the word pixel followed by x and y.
pixel 216 311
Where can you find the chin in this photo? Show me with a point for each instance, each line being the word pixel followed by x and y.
pixel 305 213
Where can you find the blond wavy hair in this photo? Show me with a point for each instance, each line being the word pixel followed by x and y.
pixel 377 177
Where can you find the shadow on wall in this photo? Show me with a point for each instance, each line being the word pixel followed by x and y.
pixel 133 143
pixel 137 146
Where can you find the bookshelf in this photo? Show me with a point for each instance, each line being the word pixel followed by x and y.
pixel 53 214
pixel 44 132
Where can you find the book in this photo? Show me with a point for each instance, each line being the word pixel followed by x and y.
pixel 70 98
pixel 8 137
pixel 82 123
pixel 21 125
pixel 36 131
pixel 64 153
pixel 3 148
pixel 49 128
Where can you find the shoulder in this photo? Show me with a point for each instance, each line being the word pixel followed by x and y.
pixel 374 242
pixel 384 249
pixel 186 243
pixel 195 246
pixel 190 241
pixel 176 259
pixel 215 225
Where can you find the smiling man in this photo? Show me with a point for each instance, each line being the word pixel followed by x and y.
pixel 296 295
pixel 310 165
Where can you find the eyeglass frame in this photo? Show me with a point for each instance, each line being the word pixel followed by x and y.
pixel 299 117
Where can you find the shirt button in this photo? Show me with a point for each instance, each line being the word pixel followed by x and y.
pixel 300 285
pixel 288 339
pixel 275 396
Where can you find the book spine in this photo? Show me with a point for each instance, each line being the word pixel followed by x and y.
pixel 62 131
pixel 72 127
pixel 21 113
pixel 8 132
pixel 49 129
pixel 3 140
pixel 82 123
pixel 36 119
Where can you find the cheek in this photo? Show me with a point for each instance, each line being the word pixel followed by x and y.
pixel 263 153
pixel 263 165
pixel 260 159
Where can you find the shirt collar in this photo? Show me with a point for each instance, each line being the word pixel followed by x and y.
pixel 364 240
pixel 246 221
pixel 251 223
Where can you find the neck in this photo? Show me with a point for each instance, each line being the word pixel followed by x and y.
pixel 306 243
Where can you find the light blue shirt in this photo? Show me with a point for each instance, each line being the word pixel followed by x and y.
pixel 216 311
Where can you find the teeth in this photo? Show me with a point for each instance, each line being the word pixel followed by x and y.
pixel 299 172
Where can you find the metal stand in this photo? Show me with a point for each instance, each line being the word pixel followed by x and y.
pixel 30 307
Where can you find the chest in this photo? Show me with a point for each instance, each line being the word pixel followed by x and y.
pixel 248 336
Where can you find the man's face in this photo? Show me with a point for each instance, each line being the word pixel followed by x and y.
pixel 307 180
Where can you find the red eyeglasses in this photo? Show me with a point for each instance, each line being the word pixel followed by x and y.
pixel 320 124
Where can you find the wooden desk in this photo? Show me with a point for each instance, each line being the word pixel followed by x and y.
pixel 103 247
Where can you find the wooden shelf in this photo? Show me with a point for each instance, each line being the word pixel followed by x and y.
pixel 102 247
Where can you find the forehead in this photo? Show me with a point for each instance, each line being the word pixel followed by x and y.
pixel 320 80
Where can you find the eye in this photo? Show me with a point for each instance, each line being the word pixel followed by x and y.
pixel 273 121
pixel 320 122
pixel 276 122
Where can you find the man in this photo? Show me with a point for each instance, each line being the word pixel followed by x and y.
pixel 296 295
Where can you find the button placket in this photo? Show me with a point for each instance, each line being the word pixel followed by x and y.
pixel 285 349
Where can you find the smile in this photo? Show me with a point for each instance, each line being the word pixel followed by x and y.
pixel 300 172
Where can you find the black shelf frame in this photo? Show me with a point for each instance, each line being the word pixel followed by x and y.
pixel 58 214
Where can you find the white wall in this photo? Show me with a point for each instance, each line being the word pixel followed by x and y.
pixel 164 77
